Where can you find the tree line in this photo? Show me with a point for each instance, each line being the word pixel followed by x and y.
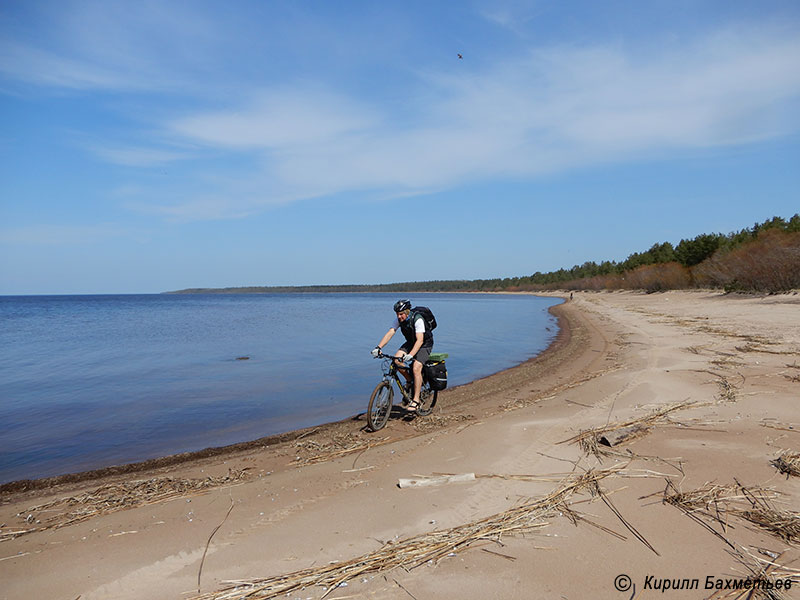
pixel 761 258
pixel 689 254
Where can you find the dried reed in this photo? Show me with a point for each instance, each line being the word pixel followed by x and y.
pixel 340 445
pixel 588 439
pixel 782 523
pixel 533 399
pixel 434 422
pixel 792 427
pixel 788 463
pixel 418 550
pixel 753 504
pixel 763 575
pixel 727 391
pixel 115 497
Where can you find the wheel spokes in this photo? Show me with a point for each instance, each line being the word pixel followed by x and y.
pixel 382 405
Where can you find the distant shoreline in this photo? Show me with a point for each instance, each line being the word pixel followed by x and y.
pixel 304 289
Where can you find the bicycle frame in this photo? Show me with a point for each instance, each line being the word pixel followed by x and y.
pixel 380 403
pixel 391 372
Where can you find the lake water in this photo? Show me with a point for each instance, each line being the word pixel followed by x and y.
pixel 93 381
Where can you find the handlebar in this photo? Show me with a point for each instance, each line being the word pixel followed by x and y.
pixel 382 355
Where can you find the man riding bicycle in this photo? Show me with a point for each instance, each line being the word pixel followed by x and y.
pixel 416 349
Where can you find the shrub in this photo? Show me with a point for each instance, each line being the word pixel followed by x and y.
pixel 659 277
pixel 770 263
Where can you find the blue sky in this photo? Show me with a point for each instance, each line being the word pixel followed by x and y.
pixel 151 146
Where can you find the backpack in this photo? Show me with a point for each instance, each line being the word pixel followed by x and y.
pixel 430 320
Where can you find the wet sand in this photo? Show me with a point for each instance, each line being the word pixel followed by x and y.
pixel 723 370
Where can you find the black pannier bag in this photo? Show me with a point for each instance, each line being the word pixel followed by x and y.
pixel 436 374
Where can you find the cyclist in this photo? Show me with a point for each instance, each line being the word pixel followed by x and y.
pixel 416 349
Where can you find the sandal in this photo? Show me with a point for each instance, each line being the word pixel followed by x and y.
pixel 412 406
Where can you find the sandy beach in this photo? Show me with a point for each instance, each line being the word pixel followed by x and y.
pixel 705 386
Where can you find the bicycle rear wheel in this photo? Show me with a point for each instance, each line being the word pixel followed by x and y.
pixel 380 406
pixel 427 400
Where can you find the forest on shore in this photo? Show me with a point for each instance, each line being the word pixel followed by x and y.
pixel 764 258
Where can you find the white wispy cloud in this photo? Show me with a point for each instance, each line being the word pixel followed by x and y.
pixel 279 118
pixel 556 108
pixel 111 46
pixel 511 14
pixel 39 66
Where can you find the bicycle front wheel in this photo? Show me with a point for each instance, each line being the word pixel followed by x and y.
pixel 427 400
pixel 380 406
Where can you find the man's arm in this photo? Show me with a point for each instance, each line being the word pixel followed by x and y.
pixel 417 344
pixel 386 338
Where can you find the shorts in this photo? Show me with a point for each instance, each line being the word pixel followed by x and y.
pixel 422 355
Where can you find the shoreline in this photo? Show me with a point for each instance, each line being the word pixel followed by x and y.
pixel 711 380
pixel 22 486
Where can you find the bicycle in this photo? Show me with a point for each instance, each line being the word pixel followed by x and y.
pixel 380 403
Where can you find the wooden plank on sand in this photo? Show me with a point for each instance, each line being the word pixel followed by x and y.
pixel 435 480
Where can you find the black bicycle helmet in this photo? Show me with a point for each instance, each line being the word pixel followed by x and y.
pixel 402 305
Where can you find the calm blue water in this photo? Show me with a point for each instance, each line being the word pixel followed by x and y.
pixel 92 381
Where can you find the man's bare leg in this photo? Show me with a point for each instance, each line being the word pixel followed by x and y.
pixel 417 367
